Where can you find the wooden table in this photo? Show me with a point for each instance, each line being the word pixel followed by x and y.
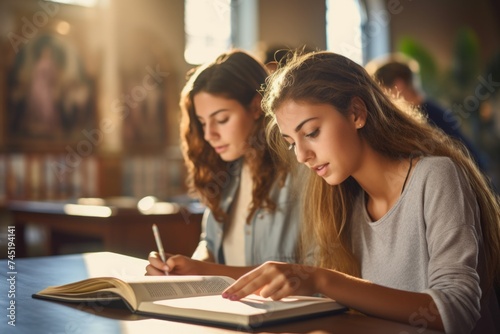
pixel 41 316
pixel 119 228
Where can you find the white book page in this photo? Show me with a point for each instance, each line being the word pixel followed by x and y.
pixel 251 305
pixel 151 288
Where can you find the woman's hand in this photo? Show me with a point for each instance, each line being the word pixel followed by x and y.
pixel 275 280
pixel 175 265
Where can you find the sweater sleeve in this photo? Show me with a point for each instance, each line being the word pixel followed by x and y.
pixel 454 238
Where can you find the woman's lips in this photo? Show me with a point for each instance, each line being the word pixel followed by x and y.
pixel 221 149
pixel 321 169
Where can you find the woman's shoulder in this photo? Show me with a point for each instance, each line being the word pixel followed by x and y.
pixel 436 165
pixel 433 161
pixel 441 172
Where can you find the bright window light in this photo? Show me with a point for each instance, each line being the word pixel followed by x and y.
pixel 344 28
pixel 207 24
pixel 84 3
pixel 88 210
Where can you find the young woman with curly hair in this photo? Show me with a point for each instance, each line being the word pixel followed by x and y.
pixel 252 212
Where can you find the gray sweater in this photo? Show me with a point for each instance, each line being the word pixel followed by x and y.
pixel 430 241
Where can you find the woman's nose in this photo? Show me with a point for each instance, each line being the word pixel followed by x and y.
pixel 303 153
pixel 210 131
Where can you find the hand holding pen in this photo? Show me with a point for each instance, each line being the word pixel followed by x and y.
pixel 177 264
pixel 159 245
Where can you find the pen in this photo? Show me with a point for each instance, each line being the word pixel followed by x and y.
pixel 159 244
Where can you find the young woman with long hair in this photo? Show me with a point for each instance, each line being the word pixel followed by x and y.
pixel 405 226
pixel 252 213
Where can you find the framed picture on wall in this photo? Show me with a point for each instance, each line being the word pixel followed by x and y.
pixel 50 89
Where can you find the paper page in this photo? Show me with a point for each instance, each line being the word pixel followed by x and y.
pixel 167 287
pixel 217 304
pixel 250 311
pixel 250 305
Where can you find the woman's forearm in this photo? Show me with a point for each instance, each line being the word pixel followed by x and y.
pixel 404 306
pixel 210 268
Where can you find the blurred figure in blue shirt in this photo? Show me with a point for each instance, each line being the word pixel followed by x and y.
pixel 400 75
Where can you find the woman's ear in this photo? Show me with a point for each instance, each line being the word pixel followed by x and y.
pixel 358 112
pixel 255 107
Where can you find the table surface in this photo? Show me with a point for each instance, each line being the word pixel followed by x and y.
pixel 41 316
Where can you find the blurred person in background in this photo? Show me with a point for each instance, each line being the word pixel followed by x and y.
pixel 399 74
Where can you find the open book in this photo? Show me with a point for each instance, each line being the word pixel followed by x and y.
pixel 190 298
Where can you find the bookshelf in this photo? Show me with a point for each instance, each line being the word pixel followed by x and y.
pixel 48 180
pixel 35 176
pixel 52 176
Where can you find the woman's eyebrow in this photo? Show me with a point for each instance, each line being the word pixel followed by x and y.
pixel 298 127
pixel 214 113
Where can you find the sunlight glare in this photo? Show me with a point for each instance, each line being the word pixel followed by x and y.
pixel 208 29
pixel 344 35
pixel 88 210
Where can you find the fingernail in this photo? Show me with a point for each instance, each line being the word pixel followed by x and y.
pixel 166 268
pixel 225 295
pixel 233 297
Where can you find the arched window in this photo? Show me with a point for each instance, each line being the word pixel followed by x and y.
pixel 207 24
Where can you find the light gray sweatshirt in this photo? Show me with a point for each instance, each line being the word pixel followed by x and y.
pixel 430 241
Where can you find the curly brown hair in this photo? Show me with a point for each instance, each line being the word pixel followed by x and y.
pixel 234 75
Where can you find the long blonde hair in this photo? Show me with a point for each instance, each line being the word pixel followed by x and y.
pixel 329 78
